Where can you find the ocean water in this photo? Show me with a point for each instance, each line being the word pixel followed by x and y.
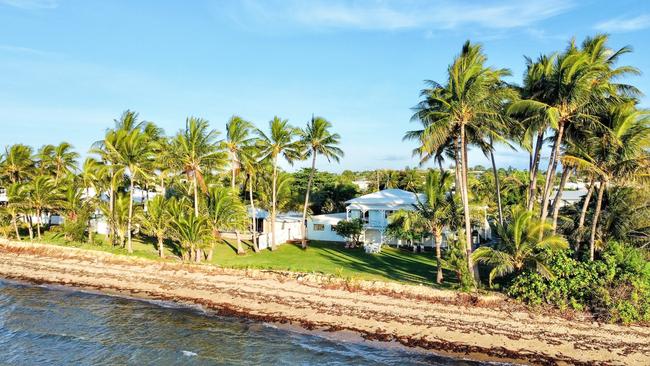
pixel 53 326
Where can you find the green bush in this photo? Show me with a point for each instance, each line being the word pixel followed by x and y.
pixel 615 288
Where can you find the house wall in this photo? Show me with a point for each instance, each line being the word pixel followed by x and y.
pixel 284 232
pixel 327 234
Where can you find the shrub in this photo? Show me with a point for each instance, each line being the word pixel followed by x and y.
pixel 615 289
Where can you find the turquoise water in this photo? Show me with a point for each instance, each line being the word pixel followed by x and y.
pixel 54 326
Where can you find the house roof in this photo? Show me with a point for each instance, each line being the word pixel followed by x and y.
pixel 571 195
pixel 392 197
pixel 332 218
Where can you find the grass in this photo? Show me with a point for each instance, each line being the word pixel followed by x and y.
pixel 391 264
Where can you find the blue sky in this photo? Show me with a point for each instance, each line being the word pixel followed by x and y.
pixel 68 68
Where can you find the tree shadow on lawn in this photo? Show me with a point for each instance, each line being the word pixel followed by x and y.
pixel 411 268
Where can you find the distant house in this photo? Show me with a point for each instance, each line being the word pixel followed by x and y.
pixel 362 184
pixel 569 196
pixel 373 209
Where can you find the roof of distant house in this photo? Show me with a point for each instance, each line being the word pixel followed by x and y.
pixel 387 196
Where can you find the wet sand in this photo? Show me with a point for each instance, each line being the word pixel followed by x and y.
pixel 482 327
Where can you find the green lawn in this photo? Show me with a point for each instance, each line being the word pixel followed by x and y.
pixel 322 257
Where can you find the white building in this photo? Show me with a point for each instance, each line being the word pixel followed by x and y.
pixel 288 227
pixel 3 196
pixel 373 209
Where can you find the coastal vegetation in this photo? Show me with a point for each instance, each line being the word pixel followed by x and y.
pixel 592 255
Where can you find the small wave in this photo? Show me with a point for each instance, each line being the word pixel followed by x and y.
pixel 189 353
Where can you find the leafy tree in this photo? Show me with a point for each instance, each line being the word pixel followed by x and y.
pixel 350 229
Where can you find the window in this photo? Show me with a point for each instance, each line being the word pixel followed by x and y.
pixel 319 227
pixel 333 227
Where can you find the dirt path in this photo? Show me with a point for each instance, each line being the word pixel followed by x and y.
pixel 486 328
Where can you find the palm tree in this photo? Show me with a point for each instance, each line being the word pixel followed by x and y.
pixel 520 247
pixel 90 176
pixel 17 164
pixel 64 160
pixel 406 225
pixel 318 140
pixel 238 137
pixel 195 150
pixel 42 195
pixel 192 232
pixel 134 154
pixel 279 142
pixel 249 160
pixel 156 221
pixel 456 114
pixel 227 213
pixel 616 153
pixel 439 209
pixel 580 84
pixel 16 204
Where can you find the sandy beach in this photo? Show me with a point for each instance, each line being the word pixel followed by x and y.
pixel 486 327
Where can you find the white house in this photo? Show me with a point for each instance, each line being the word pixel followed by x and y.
pixel 288 227
pixel 374 210
pixel 3 196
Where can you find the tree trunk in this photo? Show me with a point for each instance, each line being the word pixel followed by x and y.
pixel 30 227
pixel 594 224
pixel 161 248
pixel 273 201
pixel 232 177
pixel 438 237
pixel 583 213
pixel 210 252
pixel 550 174
pixel 304 209
pixel 253 219
pixel 111 209
pixel 496 183
pixel 532 184
pixel 38 224
pixel 14 221
pixel 566 173
pixel 196 195
pixel 465 198
pixel 240 249
pixel 129 244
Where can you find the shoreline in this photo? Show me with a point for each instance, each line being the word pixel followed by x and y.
pixel 482 328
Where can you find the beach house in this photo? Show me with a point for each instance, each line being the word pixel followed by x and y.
pixel 373 209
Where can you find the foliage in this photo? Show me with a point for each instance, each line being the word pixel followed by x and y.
pixel 350 229
pixel 616 289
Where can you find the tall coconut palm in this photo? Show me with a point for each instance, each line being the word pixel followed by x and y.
pixel 195 150
pixel 238 137
pixel 534 126
pixel 317 138
pixel 17 164
pixel 156 221
pixel 580 83
pixel 281 141
pixel 133 152
pixel 616 153
pixel 227 213
pixel 520 247
pixel 456 114
pixel 42 195
pixel 249 160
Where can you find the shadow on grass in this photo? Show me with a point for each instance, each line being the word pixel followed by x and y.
pixel 414 268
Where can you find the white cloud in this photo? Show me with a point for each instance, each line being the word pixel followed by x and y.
pixel 391 14
pixel 31 4
pixel 625 24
